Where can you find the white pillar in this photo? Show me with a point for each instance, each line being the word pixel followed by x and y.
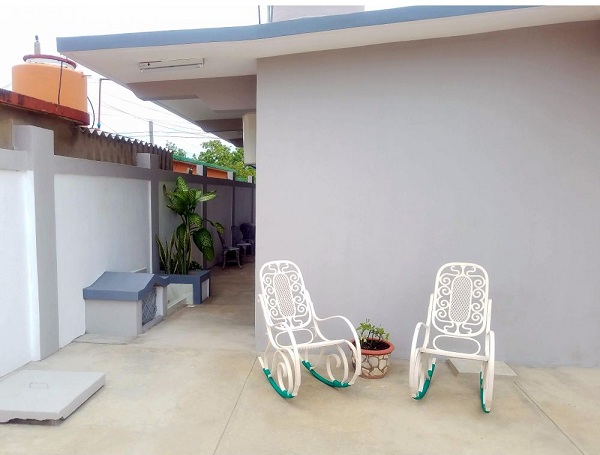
pixel 39 144
pixel 249 125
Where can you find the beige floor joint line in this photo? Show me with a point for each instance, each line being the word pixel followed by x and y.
pixel 235 406
pixel 530 398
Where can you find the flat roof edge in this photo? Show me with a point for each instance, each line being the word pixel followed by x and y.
pixel 272 30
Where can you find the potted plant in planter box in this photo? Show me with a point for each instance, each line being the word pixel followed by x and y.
pixel 176 255
pixel 376 350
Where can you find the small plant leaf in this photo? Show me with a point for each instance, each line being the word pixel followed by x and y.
pixel 177 203
pixel 218 226
pixel 209 195
pixel 195 220
pixel 180 185
pixel 180 233
pixel 191 198
pixel 164 261
pixel 204 242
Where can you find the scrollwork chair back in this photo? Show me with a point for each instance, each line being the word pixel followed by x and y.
pixel 460 300
pixel 284 297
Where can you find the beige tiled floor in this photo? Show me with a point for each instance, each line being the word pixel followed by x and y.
pixel 175 390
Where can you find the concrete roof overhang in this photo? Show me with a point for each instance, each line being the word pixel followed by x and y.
pixel 216 94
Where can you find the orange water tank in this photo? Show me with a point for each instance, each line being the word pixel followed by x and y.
pixel 51 78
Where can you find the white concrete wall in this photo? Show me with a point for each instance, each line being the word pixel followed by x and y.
pixel 64 222
pixel 17 312
pixel 102 224
pixel 382 163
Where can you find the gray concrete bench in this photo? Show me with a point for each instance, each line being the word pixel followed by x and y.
pixel 200 281
pixel 125 303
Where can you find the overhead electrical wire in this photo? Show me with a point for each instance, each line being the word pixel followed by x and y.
pixel 163 128
pixel 163 123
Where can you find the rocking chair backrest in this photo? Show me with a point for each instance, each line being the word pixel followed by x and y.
pixel 460 300
pixel 283 295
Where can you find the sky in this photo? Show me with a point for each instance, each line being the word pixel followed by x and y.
pixel 121 111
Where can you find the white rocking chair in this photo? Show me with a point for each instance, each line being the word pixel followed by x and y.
pixel 293 330
pixel 459 313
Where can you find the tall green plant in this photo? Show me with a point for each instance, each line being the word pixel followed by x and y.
pixel 183 201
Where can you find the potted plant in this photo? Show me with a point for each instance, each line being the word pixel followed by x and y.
pixel 376 350
pixel 176 255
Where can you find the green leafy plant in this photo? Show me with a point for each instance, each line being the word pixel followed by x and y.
pixel 372 337
pixel 183 201
pixel 167 254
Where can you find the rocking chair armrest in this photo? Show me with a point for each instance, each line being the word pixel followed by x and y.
pixel 489 317
pixel 333 317
pixel 343 318
pixel 416 333
pixel 490 343
pixel 268 321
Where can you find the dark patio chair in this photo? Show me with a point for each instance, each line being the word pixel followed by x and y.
pixel 229 252
pixel 238 240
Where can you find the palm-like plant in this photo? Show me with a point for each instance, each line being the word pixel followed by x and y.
pixel 183 201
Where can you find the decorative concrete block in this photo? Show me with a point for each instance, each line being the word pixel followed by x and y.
pixel 114 303
pixel 200 281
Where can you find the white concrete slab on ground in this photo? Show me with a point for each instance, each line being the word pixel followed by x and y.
pixel 46 395
pixel 458 366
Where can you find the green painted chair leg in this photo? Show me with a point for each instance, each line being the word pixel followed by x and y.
pixel 422 393
pixel 430 372
pixel 283 393
pixel 334 383
pixel 483 408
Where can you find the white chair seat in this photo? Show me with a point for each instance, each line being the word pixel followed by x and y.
pixel 315 344
pixel 461 355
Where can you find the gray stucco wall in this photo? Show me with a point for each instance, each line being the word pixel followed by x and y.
pixel 244 205
pixel 379 164
pixel 220 211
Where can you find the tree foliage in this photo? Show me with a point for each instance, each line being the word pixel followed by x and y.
pixel 215 152
pixel 177 151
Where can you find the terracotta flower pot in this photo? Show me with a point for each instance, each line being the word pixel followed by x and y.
pixel 375 364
